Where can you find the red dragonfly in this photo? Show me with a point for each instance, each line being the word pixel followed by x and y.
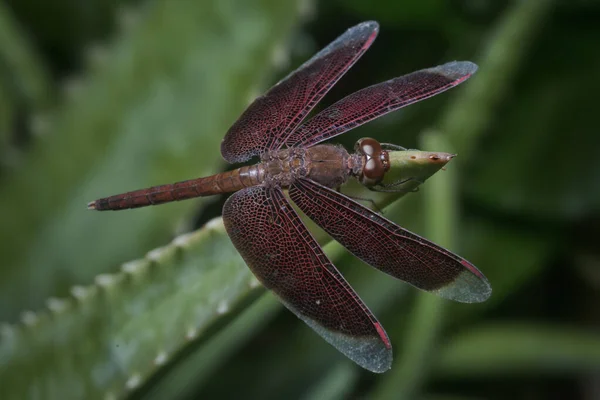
pixel 269 234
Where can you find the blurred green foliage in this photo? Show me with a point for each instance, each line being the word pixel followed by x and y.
pixel 100 97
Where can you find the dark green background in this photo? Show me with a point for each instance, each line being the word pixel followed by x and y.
pixel 99 97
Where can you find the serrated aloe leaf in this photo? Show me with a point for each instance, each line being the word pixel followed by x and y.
pixel 153 112
pixel 108 338
pixel 523 349
pixel 195 371
pixel 146 314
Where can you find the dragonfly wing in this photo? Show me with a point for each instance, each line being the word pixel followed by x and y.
pixel 270 119
pixel 377 100
pixel 287 259
pixel 388 247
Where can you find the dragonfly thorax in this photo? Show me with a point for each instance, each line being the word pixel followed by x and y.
pixel 329 165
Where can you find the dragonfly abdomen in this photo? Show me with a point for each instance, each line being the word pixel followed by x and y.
pixel 224 182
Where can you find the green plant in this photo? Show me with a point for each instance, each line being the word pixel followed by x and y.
pixel 151 105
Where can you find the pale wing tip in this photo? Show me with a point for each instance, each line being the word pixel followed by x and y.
pixel 370 25
pixel 481 289
pixel 456 70
pixel 371 352
pixel 470 286
pixel 367 30
pixel 478 294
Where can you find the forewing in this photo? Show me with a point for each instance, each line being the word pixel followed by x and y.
pixel 377 100
pixel 285 257
pixel 271 118
pixel 388 247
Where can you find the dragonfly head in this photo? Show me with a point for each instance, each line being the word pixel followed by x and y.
pixel 375 161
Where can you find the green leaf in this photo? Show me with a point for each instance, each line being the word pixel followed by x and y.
pixel 154 112
pixel 130 323
pixel 199 368
pixel 108 338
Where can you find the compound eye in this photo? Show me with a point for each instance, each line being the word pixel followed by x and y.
pixel 373 171
pixel 368 146
pixel 374 167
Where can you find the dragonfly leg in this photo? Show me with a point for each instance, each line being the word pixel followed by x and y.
pixel 393 187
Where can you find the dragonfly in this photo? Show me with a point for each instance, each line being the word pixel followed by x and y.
pixel 268 232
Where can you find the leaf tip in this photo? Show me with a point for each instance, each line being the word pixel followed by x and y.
pixel 253 283
pixel 191 333
pixel 133 381
pixel 56 305
pixel 135 267
pixel 161 358
pixel 183 240
pixel 80 292
pixel 155 255
pixel 105 280
pixel 222 307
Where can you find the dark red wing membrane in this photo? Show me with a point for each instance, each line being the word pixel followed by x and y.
pixel 377 100
pixel 270 119
pixel 388 247
pixel 286 259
